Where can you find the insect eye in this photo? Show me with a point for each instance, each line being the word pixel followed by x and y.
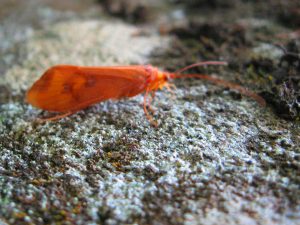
pixel 166 77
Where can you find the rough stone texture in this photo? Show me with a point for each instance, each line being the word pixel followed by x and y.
pixel 212 160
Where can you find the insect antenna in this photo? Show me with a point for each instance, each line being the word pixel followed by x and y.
pixel 217 81
pixel 206 63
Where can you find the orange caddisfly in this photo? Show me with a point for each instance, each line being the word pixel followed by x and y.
pixel 67 89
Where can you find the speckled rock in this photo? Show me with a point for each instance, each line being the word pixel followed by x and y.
pixel 212 160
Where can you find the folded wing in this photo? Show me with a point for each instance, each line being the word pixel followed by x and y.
pixel 69 88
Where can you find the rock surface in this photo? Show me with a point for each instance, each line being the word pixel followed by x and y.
pixel 212 160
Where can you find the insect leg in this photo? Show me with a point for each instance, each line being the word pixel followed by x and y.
pixel 150 101
pixel 171 88
pixel 146 104
pixel 57 117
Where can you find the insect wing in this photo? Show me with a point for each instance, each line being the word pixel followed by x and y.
pixel 69 88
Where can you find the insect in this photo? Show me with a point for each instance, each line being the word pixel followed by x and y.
pixel 67 89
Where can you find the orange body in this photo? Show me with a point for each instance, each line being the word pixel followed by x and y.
pixel 66 88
